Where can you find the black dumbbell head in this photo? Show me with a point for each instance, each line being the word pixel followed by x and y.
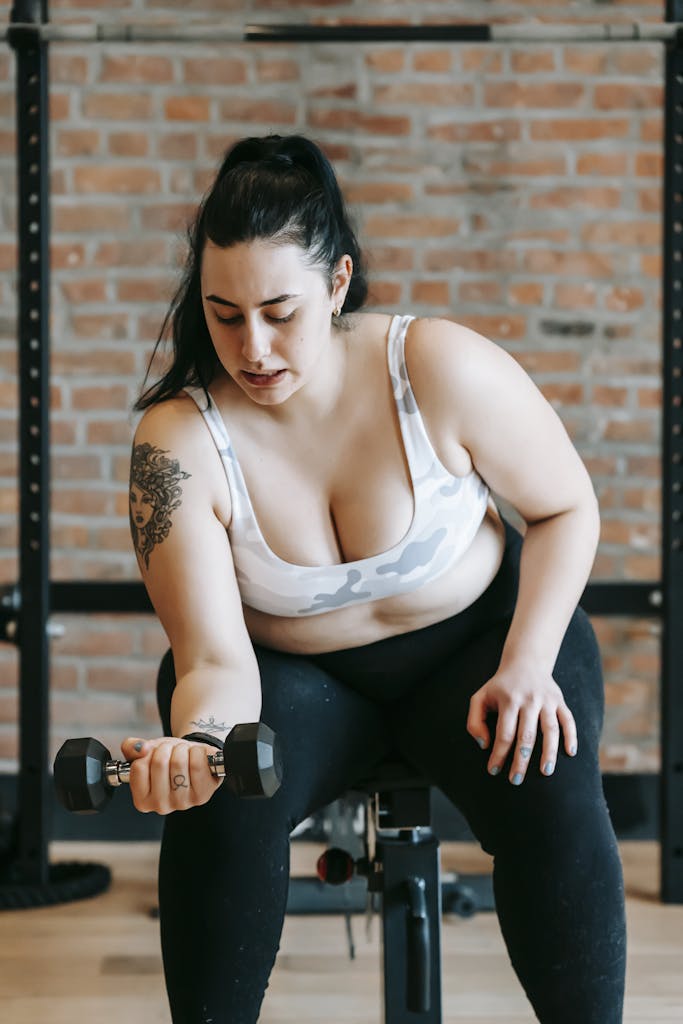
pixel 253 760
pixel 79 776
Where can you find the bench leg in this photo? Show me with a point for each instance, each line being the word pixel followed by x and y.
pixel 411 926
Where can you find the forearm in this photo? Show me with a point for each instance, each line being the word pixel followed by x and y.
pixel 556 561
pixel 213 699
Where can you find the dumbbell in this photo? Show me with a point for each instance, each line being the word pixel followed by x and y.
pixel 86 777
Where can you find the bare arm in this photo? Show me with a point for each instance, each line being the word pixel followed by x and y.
pixel 176 494
pixel 520 447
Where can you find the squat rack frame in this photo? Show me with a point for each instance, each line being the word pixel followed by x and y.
pixel 26 606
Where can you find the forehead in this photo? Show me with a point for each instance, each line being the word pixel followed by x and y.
pixel 241 262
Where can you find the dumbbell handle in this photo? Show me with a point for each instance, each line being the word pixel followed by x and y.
pixel 117 773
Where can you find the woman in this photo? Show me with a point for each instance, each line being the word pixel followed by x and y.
pixel 335 565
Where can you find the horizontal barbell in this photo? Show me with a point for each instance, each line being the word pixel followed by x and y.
pixel 21 34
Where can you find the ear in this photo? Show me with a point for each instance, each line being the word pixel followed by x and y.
pixel 341 279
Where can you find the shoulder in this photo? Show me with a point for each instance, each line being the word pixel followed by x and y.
pixel 174 433
pixel 444 356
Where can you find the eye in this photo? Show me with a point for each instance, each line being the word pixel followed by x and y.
pixel 235 319
pixel 281 319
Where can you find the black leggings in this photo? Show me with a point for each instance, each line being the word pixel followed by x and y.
pixel 224 867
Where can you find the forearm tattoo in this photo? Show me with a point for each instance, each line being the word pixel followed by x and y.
pixel 154 494
pixel 211 725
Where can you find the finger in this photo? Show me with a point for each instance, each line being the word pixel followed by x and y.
pixel 527 731
pixel 506 731
pixel 203 782
pixel 566 719
pixel 133 747
pixel 159 774
pixel 180 776
pixel 551 740
pixel 476 720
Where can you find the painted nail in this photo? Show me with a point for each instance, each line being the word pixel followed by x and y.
pixel 494 770
pixel 139 745
pixel 517 779
pixel 525 751
pixel 549 768
pixel 481 741
pixel 572 750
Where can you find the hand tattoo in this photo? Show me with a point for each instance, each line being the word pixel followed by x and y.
pixel 179 783
pixel 154 494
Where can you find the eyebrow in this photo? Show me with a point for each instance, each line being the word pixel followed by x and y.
pixel 267 302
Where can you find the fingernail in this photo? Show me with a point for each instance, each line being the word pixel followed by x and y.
pixel 481 741
pixel 139 745
pixel 494 770
pixel 549 768
pixel 517 779
pixel 572 750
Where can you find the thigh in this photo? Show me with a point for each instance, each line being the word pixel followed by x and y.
pixel 429 727
pixel 330 735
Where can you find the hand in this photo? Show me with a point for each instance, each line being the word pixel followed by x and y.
pixel 169 774
pixel 523 695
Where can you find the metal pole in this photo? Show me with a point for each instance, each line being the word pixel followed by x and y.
pixel 671 792
pixel 34 476
pixel 225 32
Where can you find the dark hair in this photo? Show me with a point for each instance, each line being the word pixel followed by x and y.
pixel 281 188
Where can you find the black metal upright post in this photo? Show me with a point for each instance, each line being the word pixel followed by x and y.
pixel 672 479
pixel 31 865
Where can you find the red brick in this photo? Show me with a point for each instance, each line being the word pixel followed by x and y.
pixel 60 106
pixel 563 394
pixel 384 293
pixel 603 395
pixel 92 178
pixel 147 68
pixel 436 293
pixel 67 69
pixel 476 131
pixel 652 128
pixel 109 432
pixel 526 293
pixel 66 257
pixel 525 164
pixel 128 144
pixel 585 60
pixel 87 290
pixel 651 265
pixel 139 253
pixel 425 93
pixel 113 396
pixel 627 234
pixel 356 120
pixel 118 678
pixel 378 192
pixel 103 326
pixel 86 218
pixel 497 327
pixel 386 59
pixel 578 129
pixel 602 163
pixel 631 430
pixel 433 61
pixel 650 199
pixel 571 198
pixel 403 226
pixel 575 296
pixel 526 62
pixel 481 59
pixel 82 503
pixel 584 265
pixel 77 142
pixel 476 260
pixel 98 361
pixel 77 467
pixel 627 95
pixel 147 289
pixel 278 70
pixel 480 291
pixel 622 300
pixel 390 258
pixel 649 165
pixel 345 91
pixel 187 108
pixel 530 95
pixel 118 106
pixel 177 146
pixel 643 60
pixel 649 398
pixel 258 111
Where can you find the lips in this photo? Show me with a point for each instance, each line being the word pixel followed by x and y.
pixel 261 379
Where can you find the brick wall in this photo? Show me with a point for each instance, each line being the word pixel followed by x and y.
pixel 513 188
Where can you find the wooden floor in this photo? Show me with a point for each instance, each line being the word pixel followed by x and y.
pixel 98 960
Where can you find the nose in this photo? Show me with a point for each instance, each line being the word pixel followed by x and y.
pixel 255 341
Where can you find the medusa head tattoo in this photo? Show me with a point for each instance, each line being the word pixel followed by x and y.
pixel 154 494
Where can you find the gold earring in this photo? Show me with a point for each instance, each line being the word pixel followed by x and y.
pixel 337 311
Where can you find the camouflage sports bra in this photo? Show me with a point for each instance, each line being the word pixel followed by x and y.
pixel 448 512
